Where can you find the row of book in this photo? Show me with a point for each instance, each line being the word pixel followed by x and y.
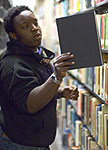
pixel 96 78
pixel 69 7
pixel 102 22
pixel 80 5
pixel 73 6
pixel 74 132
pixel 94 116
pixel 99 1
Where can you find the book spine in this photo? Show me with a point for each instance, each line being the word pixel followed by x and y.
pixel 100 128
pixel 106 131
pixel 106 43
pixel 87 108
pixel 78 126
pixel 98 108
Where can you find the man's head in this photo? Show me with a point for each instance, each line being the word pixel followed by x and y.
pixel 21 24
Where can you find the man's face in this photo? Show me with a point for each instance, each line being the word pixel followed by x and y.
pixel 27 29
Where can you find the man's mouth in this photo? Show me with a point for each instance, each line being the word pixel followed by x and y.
pixel 37 36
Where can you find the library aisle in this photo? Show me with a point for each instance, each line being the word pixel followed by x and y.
pixel 57 144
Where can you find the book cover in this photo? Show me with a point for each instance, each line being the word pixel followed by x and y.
pixel 79 34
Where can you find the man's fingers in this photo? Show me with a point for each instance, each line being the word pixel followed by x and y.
pixel 63 57
pixel 64 64
pixel 74 97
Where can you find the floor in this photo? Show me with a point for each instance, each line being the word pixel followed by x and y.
pixel 57 144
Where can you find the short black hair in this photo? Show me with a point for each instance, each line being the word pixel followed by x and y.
pixel 10 15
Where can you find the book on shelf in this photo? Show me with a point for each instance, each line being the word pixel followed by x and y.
pixel 69 115
pixel 98 108
pixel 105 82
pixel 73 118
pixel 101 80
pixel 87 134
pixel 104 111
pixel 63 107
pixel 71 6
pixel 80 105
pixel 93 145
pixel 79 34
pixel 83 137
pixel 106 131
pixel 102 30
pixel 98 17
pixel 107 85
pixel 87 109
pixel 89 138
pixel 97 80
pixel 102 21
pixel 91 78
pixel 78 128
pixel 100 128
pixel 106 38
pixel 95 102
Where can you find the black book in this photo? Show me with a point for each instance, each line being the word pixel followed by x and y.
pixel 78 34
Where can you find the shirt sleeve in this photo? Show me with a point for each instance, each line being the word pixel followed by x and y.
pixel 18 82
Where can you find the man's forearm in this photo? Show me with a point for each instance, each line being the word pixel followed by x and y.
pixel 41 96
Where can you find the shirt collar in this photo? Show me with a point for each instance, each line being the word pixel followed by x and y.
pixel 14 47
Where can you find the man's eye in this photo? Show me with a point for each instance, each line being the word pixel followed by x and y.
pixel 36 23
pixel 25 27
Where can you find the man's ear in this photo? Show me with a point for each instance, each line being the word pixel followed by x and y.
pixel 13 35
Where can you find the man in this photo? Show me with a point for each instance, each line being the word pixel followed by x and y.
pixel 29 84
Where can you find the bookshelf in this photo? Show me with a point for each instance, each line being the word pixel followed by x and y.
pixel 87 126
pixel 105 51
pixel 102 4
pixel 98 103
pixel 87 87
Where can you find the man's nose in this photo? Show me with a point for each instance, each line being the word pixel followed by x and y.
pixel 34 28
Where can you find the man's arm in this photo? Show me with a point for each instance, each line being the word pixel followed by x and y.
pixel 42 95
